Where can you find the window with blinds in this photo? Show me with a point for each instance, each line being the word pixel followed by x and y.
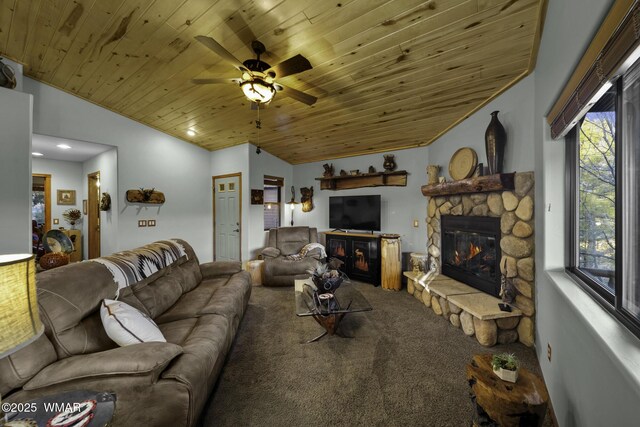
pixel 272 201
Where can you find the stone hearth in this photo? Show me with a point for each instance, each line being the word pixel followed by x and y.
pixel 515 209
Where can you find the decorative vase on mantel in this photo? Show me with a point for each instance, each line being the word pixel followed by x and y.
pixel 495 139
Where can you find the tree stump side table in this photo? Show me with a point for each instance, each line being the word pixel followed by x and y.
pixel 501 403
pixel 254 268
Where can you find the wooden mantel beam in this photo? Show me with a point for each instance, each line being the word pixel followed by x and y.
pixel 479 184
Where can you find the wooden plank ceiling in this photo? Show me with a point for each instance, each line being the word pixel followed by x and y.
pixel 389 74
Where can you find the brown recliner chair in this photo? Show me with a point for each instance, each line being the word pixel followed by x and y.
pixel 279 269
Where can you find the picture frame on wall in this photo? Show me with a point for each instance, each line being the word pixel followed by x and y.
pixel 66 197
pixel 257 197
pixel 84 206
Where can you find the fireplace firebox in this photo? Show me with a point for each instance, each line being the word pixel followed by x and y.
pixel 471 251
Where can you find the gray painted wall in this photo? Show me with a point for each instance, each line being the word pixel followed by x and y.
pixel 147 158
pixel 15 171
pixel 516 115
pixel 594 373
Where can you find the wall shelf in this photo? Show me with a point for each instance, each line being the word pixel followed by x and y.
pixel 378 179
pixel 479 184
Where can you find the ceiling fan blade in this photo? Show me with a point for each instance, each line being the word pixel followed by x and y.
pixel 214 81
pixel 220 51
pixel 295 64
pixel 296 94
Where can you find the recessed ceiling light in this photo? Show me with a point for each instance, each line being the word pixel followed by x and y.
pixel 63 146
pixel 191 132
pixel 35 153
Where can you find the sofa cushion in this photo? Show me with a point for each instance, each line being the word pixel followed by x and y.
pixel 190 303
pixel 220 268
pixel 203 340
pixel 158 296
pixel 230 299
pixel 188 275
pixel 24 364
pixel 291 239
pixel 138 359
pixel 69 298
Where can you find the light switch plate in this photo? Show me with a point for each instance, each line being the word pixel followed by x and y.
pixel 415 223
pixel 56 221
pixel 142 223
pixel 151 223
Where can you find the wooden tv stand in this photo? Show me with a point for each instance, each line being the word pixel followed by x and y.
pixel 370 258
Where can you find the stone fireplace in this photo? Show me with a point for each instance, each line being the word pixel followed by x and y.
pixel 474 238
pixel 471 251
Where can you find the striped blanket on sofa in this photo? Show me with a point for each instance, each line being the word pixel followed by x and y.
pixel 129 267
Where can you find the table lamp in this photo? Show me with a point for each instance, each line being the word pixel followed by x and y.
pixel 19 320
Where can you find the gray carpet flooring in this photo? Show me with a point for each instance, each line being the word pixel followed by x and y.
pixel 404 366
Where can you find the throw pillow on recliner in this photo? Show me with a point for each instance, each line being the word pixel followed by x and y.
pixel 125 325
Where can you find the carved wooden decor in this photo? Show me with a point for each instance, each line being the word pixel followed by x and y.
pixel 344 182
pixel 306 199
pixel 479 184
pixel 501 403
pixel 145 195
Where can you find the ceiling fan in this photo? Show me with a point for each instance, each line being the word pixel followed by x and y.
pixel 258 78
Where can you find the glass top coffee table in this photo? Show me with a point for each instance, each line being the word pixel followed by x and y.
pixel 329 309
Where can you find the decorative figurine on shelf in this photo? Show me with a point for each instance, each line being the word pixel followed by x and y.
pixel 328 170
pixel 508 290
pixel 389 162
pixel 306 199
pixel 343 172
pixel 433 171
pixel 7 76
pixel 372 169
pixel 428 276
pixel 147 193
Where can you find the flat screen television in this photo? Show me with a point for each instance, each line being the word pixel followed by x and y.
pixel 355 212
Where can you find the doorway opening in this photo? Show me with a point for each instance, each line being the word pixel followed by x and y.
pixel 40 211
pixel 93 214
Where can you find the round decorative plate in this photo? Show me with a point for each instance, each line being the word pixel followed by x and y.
pixel 57 241
pixel 463 163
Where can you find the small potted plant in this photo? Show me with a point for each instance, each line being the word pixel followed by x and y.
pixel 505 366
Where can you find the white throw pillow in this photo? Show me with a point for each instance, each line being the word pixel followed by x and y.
pixel 125 325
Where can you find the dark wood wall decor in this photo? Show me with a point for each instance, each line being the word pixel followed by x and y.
pixel 378 179
pixel 145 195
pixel 478 184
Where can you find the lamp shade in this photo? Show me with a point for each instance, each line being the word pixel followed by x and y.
pixel 258 90
pixel 19 320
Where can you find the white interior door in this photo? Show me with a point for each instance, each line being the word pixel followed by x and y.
pixel 227 196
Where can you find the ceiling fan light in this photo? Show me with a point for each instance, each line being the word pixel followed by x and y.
pixel 259 91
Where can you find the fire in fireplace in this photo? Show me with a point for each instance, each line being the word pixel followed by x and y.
pixel 471 251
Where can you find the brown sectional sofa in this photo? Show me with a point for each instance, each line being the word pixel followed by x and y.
pixel 198 308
